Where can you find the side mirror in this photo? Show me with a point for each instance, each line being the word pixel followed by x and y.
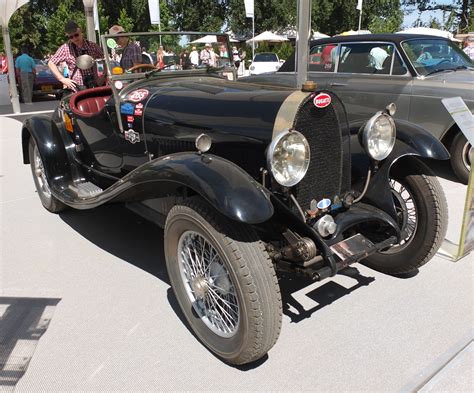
pixel 85 62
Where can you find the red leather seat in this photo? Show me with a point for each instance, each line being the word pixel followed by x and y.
pixel 90 102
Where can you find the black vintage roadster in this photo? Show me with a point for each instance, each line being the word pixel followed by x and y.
pixel 246 181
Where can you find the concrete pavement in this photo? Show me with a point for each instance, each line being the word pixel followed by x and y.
pixel 85 304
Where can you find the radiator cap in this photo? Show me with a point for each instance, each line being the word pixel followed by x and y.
pixel 308 86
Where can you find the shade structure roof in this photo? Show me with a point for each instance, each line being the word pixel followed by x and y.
pixel 7 8
pixel 209 39
pixel 429 31
pixel 267 36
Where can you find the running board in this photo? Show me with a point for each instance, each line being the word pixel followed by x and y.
pixel 85 190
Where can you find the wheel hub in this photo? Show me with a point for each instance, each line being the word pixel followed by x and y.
pixel 208 284
pixel 200 287
pixel 466 155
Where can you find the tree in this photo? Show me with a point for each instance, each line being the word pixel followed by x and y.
pixel 66 11
pixel 462 9
pixel 197 15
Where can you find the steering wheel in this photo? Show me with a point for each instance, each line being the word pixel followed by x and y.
pixel 138 66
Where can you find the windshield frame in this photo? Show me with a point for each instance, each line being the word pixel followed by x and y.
pixel 432 39
pixel 133 77
pixel 140 75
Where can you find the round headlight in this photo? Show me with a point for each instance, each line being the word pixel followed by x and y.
pixel 288 158
pixel 378 136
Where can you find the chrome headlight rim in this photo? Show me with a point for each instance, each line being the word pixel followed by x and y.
pixel 368 128
pixel 270 158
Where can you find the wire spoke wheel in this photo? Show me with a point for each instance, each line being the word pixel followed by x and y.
pixel 406 214
pixel 208 284
pixel 38 170
pixel 223 280
pixel 422 215
pixel 49 201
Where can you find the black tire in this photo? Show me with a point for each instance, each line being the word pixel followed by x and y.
pixel 460 160
pixel 241 265
pixel 48 200
pixel 423 214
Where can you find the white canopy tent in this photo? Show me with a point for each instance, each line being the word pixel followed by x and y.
pixel 429 31
pixel 209 39
pixel 7 8
pixel 267 36
pixel 317 35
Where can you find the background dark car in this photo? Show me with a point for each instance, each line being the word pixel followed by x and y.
pixel 413 71
pixel 45 83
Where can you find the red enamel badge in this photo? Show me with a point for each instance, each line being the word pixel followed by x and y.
pixel 137 95
pixel 322 100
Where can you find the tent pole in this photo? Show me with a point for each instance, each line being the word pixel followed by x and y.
pixel 302 45
pixel 253 36
pixel 11 70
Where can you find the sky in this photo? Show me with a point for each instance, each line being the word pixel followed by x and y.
pixel 410 19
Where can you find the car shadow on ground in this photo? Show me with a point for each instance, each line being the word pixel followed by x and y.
pixel 321 296
pixel 122 233
pixel 131 238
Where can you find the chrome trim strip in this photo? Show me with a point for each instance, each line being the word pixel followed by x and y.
pixel 286 114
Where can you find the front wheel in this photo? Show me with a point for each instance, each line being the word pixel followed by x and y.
pixel 461 151
pixel 422 214
pixel 224 282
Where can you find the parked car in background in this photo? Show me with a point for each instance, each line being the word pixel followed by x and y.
pixel 264 62
pixel 413 71
pixel 45 83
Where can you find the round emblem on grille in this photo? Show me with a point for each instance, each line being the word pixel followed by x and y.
pixel 322 100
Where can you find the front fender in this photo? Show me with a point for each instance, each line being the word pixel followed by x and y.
pixel 227 187
pixel 412 140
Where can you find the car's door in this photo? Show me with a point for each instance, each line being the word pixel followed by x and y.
pixel 368 77
pixel 321 66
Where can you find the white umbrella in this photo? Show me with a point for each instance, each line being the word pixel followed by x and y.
pixel 267 36
pixel 428 31
pixel 7 8
pixel 209 39
pixel 317 35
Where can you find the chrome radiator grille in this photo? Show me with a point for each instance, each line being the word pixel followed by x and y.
pixel 327 133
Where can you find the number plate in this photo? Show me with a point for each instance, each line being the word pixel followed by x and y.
pixel 354 245
pixel 46 88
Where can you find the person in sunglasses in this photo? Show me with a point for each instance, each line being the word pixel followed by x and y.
pixel 76 46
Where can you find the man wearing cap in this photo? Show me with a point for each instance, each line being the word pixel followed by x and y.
pixel 76 46
pixel 469 46
pixel 131 51
pixel 205 55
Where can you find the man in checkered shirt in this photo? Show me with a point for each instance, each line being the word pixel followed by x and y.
pixel 76 78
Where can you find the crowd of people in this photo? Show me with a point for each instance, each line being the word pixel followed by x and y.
pixel 131 56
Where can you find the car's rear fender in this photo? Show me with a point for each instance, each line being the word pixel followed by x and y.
pixel 412 140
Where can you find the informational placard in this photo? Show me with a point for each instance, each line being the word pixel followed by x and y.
pixel 463 117
pixel 249 8
pixel 154 8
